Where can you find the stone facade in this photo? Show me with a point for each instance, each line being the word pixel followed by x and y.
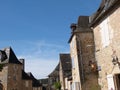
pixel 107 45
pixel 53 78
pixel 65 71
pixel 61 78
pixel 82 54
pixel 75 66
pixel 26 85
pixel 12 75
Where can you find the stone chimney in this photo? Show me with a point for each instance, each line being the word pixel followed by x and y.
pixel 23 63
pixel 73 27
pixel 83 21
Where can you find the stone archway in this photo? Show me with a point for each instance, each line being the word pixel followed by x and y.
pixel 1 86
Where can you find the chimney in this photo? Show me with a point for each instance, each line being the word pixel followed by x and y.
pixel 73 27
pixel 23 63
pixel 83 21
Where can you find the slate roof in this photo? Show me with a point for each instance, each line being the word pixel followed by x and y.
pixel 8 56
pixel 106 7
pixel 35 82
pixel 25 76
pixel 44 81
pixel 55 72
pixel 65 61
pixel 29 76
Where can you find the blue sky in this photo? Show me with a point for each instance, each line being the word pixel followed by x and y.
pixel 38 30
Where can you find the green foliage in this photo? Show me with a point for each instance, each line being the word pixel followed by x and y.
pixel 57 85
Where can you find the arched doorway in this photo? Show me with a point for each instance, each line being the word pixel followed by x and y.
pixel 1 86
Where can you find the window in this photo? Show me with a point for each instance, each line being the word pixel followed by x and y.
pixel 15 67
pixel 110 82
pixel 0 56
pixel 14 78
pixel 105 33
pixel 73 44
pixel 73 63
pixel 26 83
pixel 1 86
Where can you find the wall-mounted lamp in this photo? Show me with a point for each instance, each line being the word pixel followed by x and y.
pixel 115 60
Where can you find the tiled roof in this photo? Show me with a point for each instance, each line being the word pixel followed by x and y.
pixel 9 56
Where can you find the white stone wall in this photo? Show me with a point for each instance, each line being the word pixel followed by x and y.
pixel 107 42
pixel 75 68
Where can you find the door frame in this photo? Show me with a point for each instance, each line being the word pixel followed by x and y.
pixel 116 78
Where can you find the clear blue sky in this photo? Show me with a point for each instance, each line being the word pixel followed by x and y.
pixel 38 30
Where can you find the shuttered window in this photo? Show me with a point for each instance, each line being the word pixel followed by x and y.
pixel 105 33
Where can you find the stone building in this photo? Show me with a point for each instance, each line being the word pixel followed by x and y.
pixel 65 71
pixel 44 83
pixel 105 23
pixel 26 82
pixel 12 74
pixel 84 75
pixel 53 77
pixel 36 85
pixel 61 74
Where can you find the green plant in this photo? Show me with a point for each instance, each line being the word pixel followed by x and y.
pixel 57 85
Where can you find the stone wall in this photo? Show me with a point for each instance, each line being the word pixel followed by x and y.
pixel 74 57
pixel 61 77
pixel 14 77
pixel 26 85
pixel 75 64
pixel 82 52
pixel 11 78
pixel 86 55
pixel 3 77
pixel 107 43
